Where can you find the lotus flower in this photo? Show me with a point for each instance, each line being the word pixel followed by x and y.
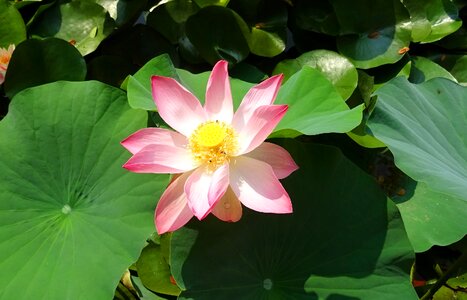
pixel 5 56
pixel 220 158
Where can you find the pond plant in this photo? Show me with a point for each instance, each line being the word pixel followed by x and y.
pixel 242 149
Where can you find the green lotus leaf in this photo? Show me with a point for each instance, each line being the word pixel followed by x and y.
pixel 339 243
pixel 154 271
pixel 139 85
pixel 424 69
pixel 82 23
pixel 12 28
pixel 315 106
pixel 424 126
pixel 431 218
pixel 374 41
pixel 71 218
pixel 266 43
pixel 36 62
pixel 337 68
pixel 217 33
pixel 432 20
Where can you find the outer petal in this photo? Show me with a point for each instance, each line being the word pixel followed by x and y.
pixel 204 189
pixel 218 104
pixel 176 105
pixel 153 136
pixel 277 157
pixel 228 208
pixel 257 187
pixel 259 95
pixel 161 159
pixel 172 211
pixel 259 126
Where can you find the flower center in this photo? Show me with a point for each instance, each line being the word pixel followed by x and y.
pixel 5 59
pixel 213 143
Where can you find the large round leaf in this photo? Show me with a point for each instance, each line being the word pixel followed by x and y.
pixel 12 28
pixel 71 218
pixel 337 68
pixel 424 126
pixel 84 24
pixel 315 106
pixel 217 34
pixel 36 62
pixel 431 218
pixel 432 20
pixel 339 243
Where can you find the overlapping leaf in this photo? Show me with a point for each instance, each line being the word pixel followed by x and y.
pixel 424 126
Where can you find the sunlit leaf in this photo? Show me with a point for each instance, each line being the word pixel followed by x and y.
pixel 424 126
pixel 71 218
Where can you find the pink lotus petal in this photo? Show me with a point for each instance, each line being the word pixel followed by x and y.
pixel 259 126
pixel 172 211
pixel 150 136
pixel 218 103
pixel 161 159
pixel 257 187
pixel 261 94
pixel 277 157
pixel 176 105
pixel 204 189
pixel 228 208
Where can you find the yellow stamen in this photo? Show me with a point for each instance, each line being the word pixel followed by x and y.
pixel 213 143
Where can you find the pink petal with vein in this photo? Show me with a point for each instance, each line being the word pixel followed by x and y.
pixel 277 157
pixel 172 211
pixel 204 189
pixel 218 104
pixel 149 136
pixel 176 105
pixel 261 94
pixel 228 208
pixel 161 159
pixel 257 187
pixel 259 126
